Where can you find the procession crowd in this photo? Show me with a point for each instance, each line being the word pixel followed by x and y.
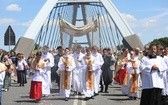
pixel 89 71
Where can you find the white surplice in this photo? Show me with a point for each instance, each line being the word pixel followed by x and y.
pixel 130 71
pixel 88 92
pixel 46 83
pixel 98 62
pixel 165 76
pixel 2 77
pixel 61 66
pixel 77 73
pixel 151 78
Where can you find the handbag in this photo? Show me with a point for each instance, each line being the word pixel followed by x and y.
pixel 26 67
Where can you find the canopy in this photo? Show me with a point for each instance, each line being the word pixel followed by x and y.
pixel 78 31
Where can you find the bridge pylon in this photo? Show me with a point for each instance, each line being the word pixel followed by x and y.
pixel 112 25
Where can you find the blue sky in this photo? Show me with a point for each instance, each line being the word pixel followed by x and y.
pixel 147 18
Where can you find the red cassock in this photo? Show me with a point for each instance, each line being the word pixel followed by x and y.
pixel 120 76
pixel 36 90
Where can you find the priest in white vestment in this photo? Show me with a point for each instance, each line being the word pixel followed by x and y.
pixel 49 59
pixel 99 62
pixel 66 64
pixel 77 73
pixel 133 76
pixel 89 67
pixel 164 97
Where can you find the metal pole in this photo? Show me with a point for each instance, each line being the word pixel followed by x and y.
pixel 61 40
pixel 99 30
pixel 92 33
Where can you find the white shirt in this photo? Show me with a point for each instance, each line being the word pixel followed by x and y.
pixel 165 76
pixel 21 64
pixel 94 65
pixel 62 66
pixel 37 76
pixel 2 77
pixel 50 63
pixel 78 59
pixel 151 78
pixel 130 68
pixel 98 59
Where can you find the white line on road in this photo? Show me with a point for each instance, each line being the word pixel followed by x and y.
pixel 83 101
pixel 76 100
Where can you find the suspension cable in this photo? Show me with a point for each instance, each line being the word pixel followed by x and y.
pixel 103 30
pixel 52 25
pixel 105 25
pixel 58 28
pixel 100 33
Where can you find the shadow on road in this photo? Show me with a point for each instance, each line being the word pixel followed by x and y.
pixel 114 86
pixel 54 90
pixel 27 96
pixel 113 95
pixel 119 99
pixel 26 101
pixel 71 98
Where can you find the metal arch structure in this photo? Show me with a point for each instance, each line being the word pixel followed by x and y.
pixel 26 43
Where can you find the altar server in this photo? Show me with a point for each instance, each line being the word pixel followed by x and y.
pixel 36 70
pixel 49 59
pixel 152 69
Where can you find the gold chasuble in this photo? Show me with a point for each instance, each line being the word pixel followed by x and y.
pixel 134 78
pixel 65 83
pixel 89 73
pixel 38 64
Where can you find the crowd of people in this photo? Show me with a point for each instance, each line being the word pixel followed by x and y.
pixel 90 71
pixel 11 65
pixel 148 67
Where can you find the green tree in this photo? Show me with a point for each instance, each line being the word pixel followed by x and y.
pixel 119 47
pixel 161 41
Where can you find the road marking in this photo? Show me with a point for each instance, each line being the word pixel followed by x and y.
pixel 76 100
pixel 83 101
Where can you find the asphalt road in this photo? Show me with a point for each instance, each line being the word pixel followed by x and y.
pixel 20 96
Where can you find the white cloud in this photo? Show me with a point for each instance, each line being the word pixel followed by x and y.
pixel 143 27
pixel 130 19
pixel 7 21
pixel 139 34
pixel 149 23
pixel 160 15
pixel 13 7
pixel 146 22
pixel 159 35
pixel 166 28
pixel 153 21
pixel 26 24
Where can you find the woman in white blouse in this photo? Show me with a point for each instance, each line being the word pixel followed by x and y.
pixel 20 68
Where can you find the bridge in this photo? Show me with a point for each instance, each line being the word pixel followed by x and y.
pixel 86 22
